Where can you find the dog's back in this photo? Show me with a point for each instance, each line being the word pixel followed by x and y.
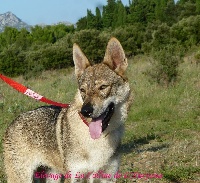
pixel 30 136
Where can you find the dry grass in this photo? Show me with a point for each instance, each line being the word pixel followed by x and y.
pixel 163 129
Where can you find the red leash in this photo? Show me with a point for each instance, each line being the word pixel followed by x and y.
pixel 21 88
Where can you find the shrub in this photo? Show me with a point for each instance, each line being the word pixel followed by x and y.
pixel 12 61
pixel 187 31
pixel 91 43
pixel 157 35
pixel 131 38
pixel 197 57
pixel 165 65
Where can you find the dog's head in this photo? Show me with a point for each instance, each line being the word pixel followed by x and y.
pixel 103 87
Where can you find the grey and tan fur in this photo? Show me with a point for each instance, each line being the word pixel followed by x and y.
pixel 57 138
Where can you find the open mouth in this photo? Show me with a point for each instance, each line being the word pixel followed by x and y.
pixel 107 116
pixel 98 125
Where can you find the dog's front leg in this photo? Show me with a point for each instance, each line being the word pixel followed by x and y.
pixel 54 177
pixel 111 170
pixel 77 180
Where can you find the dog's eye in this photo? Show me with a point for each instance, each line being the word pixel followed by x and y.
pixel 102 87
pixel 82 90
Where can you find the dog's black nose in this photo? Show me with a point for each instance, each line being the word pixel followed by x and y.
pixel 87 110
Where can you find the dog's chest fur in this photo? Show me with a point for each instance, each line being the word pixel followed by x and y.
pixel 80 152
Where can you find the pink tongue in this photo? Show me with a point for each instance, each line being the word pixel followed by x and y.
pixel 95 128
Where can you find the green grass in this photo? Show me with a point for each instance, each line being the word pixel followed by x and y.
pixel 163 128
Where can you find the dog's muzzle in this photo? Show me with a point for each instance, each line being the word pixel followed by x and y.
pixel 87 110
pixel 99 124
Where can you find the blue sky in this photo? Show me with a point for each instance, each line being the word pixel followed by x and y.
pixel 50 11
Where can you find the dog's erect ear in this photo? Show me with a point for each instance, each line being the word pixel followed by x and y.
pixel 80 60
pixel 115 57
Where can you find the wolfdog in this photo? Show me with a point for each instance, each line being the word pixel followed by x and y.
pixel 57 140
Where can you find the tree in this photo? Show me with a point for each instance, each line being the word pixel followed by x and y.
pixel 108 13
pixel 160 10
pixel 98 19
pixel 186 8
pixel 43 34
pixel 61 30
pixel 10 35
pixel 24 39
pixel 91 21
pixel 2 41
pixel 198 7
pixel 82 23
pixel 119 15
pixel 171 13
pixel 142 11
